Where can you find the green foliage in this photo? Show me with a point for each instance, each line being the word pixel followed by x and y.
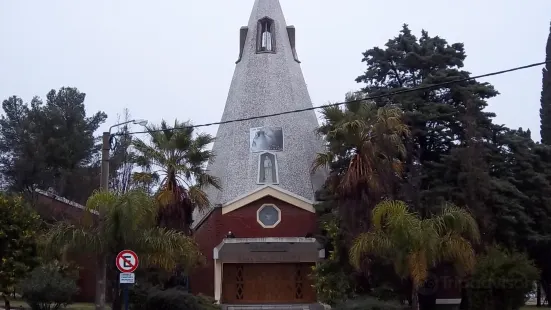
pixel 414 245
pixel 332 284
pixel 137 296
pixel 501 280
pixel 50 144
pixel 18 232
pixel 180 156
pixel 128 222
pixel 176 299
pixel 207 303
pixel 369 303
pixel 49 287
pixel 331 279
pixel 365 151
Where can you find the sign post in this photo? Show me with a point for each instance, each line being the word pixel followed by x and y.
pixel 127 262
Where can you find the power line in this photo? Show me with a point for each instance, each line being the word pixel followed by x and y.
pixel 389 94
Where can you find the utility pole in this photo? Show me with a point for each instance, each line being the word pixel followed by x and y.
pixel 101 263
pixel 106 147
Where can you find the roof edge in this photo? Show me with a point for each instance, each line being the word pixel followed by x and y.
pixel 273 191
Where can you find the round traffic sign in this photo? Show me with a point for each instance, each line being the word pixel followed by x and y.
pixel 127 261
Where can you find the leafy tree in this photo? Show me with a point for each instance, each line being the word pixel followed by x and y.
pixel 501 280
pixel 545 110
pixel 179 157
pixel 18 229
pixel 416 245
pixel 126 221
pixel 49 287
pixel 51 144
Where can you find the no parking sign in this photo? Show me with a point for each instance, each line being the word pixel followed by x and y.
pixel 127 261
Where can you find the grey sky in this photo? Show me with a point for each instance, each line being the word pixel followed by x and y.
pixel 175 59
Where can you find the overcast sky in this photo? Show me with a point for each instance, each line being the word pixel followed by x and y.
pixel 175 58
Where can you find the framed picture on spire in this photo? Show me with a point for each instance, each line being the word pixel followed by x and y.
pixel 266 139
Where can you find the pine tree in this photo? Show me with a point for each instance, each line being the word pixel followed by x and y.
pixel 545 110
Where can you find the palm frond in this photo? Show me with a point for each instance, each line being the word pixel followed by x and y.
pixel 459 251
pixel 198 197
pixel 418 267
pixel 390 213
pixel 370 243
pixel 167 248
pixel 66 236
pixel 458 220
pixel 322 160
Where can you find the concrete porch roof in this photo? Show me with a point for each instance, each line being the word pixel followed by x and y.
pixel 269 250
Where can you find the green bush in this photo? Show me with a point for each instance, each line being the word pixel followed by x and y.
pixel 207 303
pixel 49 287
pixel 369 303
pixel 332 279
pixel 501 280
pixel 177 299
pixel 137 296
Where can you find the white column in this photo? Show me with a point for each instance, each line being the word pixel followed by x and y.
pixel 217 280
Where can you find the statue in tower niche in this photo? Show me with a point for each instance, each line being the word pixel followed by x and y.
pixel 266 139
pixel 267 169
pixel 268 177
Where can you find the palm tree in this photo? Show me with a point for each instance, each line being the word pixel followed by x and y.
pixel 365 153
pixel 127 222
pixel 179 157
pixel 416 245
pixel 370 137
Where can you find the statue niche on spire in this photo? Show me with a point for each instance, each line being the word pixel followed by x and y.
pixel 266 36
pixel 267 169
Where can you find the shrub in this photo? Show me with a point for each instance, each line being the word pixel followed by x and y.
pixel 49 287
pixel 369 303
pixel 172 299
pixel 332 284
pixel 332 280
pixel 501 280
pixel 137 296
pixel 207 303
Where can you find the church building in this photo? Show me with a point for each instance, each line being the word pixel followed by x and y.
pixel 257 237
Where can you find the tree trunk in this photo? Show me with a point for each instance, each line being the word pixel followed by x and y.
pixel 7 305
pixel 414 298
pixel 101 275
pixel 116 301
pixel 538 294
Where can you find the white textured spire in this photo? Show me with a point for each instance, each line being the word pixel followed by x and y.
pixel 267 80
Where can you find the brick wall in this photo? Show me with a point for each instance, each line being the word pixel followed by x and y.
pixel 50 208
pixel 242 222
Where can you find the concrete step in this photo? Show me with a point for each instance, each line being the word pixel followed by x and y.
pixel 270 307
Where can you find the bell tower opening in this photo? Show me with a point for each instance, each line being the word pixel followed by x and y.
pixel 265 36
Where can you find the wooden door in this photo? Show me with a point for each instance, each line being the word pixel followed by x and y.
pixel 267 283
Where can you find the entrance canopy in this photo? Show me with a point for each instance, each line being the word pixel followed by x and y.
pixel 268 250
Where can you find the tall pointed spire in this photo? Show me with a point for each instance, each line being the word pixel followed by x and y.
pixel 278 150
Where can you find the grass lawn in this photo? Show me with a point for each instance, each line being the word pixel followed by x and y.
pixel 16 304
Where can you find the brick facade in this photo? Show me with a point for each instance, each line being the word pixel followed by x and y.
pixel 53 208
pixel 295 222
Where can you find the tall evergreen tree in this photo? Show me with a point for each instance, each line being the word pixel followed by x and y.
pixel 50 144
pixel 442 119
pixel 545 110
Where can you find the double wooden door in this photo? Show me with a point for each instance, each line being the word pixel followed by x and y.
pixel 267 283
